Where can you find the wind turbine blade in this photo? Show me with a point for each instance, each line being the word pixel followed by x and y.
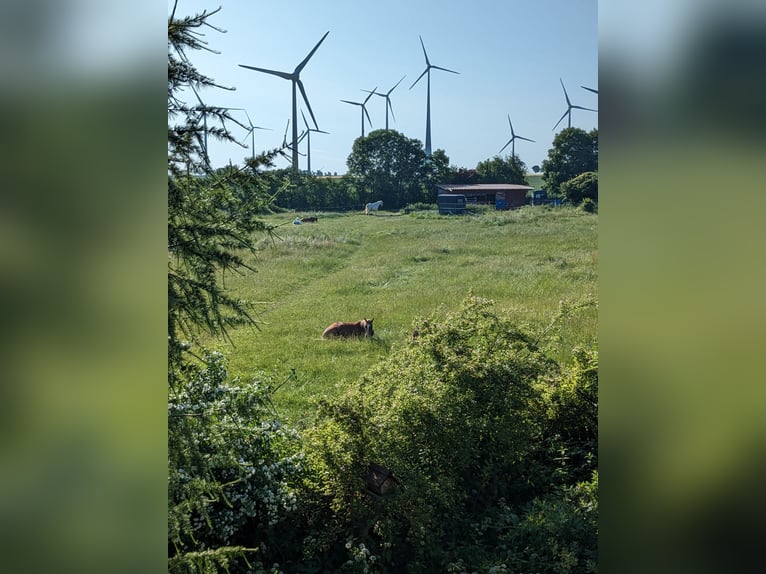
pixel 350 102
pixel 308 105
pixel 562 117
pixel 248 119
pixel 420 76
pixel 510 124
pixel 201 103
pixel 284 138
pixel 565 93
pixel 589 89
pixel 525 139
pixel 369 121
pixel 285 75
pixel 424 51
pixel 372 92
pixel 246 136
pixel 290 147
pixel 445 69
pixel 307 58
pixel 582 108
pixel 397 83
pixel 304 119
pixel 505 146
pixel 390 107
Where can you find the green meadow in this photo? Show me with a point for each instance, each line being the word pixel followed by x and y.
pixel 398 269
pixel 535 180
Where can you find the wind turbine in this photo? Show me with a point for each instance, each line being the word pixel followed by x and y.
pixel 308 140
pixel 513 139
pixel 429 65
pixel 219 113
pixel 364 107
pixel 295 78
pixel 251 133
pixel 203 114
pixel 387 95
pixel 286 145
pixel 570 107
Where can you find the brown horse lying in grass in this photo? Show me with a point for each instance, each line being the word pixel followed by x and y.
pixel 361 328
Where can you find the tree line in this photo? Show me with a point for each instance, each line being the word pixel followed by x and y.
pixel 386 165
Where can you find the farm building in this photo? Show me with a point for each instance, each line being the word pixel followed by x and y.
pixel 502 195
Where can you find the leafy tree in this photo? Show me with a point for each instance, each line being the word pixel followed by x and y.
pixel 509 169
pixel 465 176
pixel 389 167
pixel 536 168
pixel 439 170
pixel 574 151
pixel 581 187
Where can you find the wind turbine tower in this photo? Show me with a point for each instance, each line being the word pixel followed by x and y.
pixel 203 114
pixel 251 133
pixel 295 78
pixel 289 146
pixel 308 140
pixel 427 71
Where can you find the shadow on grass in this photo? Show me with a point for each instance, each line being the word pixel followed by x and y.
pixel 379 343
pixel 376 341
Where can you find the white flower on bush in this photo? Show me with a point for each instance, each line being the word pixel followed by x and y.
pixel 233 443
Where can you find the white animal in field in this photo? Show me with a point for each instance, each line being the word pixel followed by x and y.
pixel 372 207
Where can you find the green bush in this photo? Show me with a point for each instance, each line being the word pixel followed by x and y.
pixel 557 534
pixel 588 205
pixel 571 427
pixel 581 187
pixel 419 206
pixel 472 418
pixel 232 470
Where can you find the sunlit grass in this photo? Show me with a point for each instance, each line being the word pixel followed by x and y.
pixel 396 269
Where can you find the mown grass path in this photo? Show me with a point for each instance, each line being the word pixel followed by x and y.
pixel 396 269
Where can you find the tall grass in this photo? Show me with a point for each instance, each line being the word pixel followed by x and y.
pixel 396 269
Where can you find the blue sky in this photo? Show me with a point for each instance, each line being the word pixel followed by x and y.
pixel 509 55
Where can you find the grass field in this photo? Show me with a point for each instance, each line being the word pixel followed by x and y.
pixel 535 180
pixel 396 269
